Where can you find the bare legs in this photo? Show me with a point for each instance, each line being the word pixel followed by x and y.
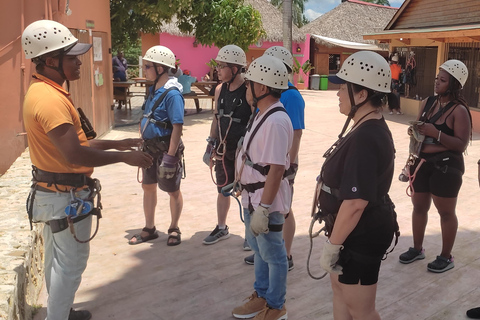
pixel 448 220
pixel 289 232
pixel 223 205
pixel 150 202
pixel 353 302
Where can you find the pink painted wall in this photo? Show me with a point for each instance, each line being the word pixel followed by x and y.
pixel 191 58
pixel 194 58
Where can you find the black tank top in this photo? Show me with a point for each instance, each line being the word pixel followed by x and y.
pixel 444 127
pixel 236 102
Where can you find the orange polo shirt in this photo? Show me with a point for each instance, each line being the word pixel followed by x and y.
pixel 46 106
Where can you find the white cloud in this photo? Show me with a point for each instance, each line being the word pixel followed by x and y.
pixel 311 14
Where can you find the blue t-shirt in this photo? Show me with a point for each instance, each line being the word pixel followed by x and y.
pixel 293 102
pixel 170 109
pixel 186 82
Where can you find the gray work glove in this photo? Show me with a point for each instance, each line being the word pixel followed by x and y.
pixel 208 153
pixel 329 258
pixel 168 167
pixel 259 221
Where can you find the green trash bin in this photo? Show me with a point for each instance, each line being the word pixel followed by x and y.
pixel 323 82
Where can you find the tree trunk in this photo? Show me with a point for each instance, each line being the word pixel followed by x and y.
pixel 287 24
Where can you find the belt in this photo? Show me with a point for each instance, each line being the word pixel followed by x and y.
pixel 334 192
pixel 58 225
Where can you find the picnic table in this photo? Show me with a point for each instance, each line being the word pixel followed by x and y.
pixel 121 92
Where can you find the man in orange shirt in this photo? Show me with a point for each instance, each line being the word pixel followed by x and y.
pixel 63 158
pixel 395 70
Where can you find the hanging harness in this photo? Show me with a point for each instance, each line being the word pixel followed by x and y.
pixel 78 209
pixel 413 158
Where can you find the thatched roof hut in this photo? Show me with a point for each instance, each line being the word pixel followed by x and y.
pixel 272 22
pixel 349 21
pixel 271 19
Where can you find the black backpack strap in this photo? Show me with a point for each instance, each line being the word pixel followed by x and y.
pixel 436 116
pixel 271 111
pixel 428 105
pixel 161 124
pixel 291 87
pixel 162 97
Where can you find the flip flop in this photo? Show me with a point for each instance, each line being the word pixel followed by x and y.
pixel 152 234
pixel 178 238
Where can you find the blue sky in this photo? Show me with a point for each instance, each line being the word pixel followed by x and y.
pixel 315 8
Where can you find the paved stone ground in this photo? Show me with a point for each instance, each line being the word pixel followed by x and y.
pixel 194 281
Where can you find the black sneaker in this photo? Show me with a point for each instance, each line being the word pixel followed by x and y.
pixel 474 313
pixel 441 264
pixel 250 260
pixel 412 255
pixel 79 315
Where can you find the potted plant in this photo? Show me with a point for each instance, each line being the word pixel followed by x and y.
pixel 307 67
pixel 296 69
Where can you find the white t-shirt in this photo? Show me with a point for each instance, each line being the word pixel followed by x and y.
pixel 270 145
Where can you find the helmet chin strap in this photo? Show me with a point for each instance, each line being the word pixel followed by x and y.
pixel 158 76
pixel 353 109
pixel 255 98
pixel 234 75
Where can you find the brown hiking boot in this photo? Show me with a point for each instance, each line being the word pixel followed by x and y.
pixel 272 314
pixel 251 308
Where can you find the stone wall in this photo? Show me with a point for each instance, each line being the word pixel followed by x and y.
pixel 21 250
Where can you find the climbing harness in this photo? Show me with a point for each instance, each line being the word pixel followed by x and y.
pixel 328 218
pixel 157 144
pixel 220 150
pixel 414 156
pixel 78 209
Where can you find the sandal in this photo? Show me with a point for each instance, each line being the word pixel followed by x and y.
pixel 152 234
pixel 178 238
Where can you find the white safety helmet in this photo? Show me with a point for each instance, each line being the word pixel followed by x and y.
pixel 161 55
pixel 367 69
pixel 457 69
pixel 395 58
pixel 268 71
pixel 45 36
pixel 281 53
pixel 232 54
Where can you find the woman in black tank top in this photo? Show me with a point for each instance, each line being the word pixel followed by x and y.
pixel 439 169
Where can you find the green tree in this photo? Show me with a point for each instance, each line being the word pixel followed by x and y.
pixel 381 2
pixel 218 22
pixel 298 8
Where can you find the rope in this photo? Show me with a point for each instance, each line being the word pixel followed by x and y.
pixel 410 191
pixel 311 236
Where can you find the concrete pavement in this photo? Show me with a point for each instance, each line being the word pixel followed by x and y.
pixel 194 281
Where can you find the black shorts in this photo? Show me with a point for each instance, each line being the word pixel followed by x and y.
pixel 167 185
pixel 441 174
pixel 366 245
pixel 225 170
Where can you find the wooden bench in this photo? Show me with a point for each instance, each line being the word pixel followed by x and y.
pixel 201 96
